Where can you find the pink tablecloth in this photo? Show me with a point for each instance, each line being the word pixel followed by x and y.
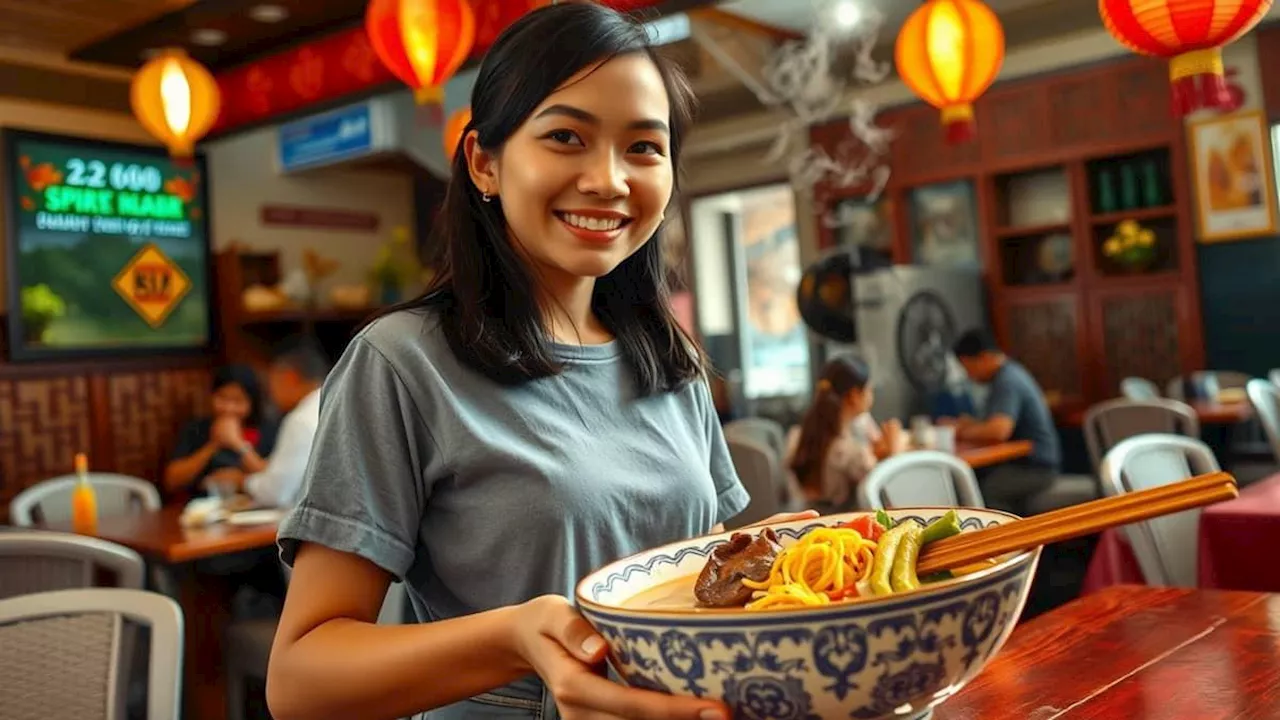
pixel 1238 537
pixel 1233 536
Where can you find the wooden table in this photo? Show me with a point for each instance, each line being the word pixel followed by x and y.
pixel 1136 653
pixel 1209 413
pixel 980 455
pixel 205 598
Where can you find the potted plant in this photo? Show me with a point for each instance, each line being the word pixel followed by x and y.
pixel 1131 246
pixel 40 307
pixel 395 266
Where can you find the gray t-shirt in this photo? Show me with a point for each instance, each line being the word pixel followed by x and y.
pixel 1016 394
pixel 480 495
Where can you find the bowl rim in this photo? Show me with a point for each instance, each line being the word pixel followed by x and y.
pixel 580 593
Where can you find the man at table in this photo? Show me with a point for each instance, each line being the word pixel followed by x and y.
pixel 294 379
pixel 1016 410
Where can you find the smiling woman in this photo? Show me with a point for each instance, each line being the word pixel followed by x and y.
pixel 536 414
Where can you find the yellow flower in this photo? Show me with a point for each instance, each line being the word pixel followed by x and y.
pixel 1146 238
pixel 1127 227
pixel 1111 247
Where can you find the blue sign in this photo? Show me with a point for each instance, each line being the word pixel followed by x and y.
pixel 321 139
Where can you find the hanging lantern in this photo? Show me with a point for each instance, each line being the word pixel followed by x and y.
pixel 453 131
pixel 949 52
pixel 175 99
pixel 1190 34
pixel 422 42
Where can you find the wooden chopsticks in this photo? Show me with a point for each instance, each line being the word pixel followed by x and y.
pixel 1083 519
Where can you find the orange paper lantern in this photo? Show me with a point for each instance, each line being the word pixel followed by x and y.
pixel 422 42
pixel 949 52
pixel 453 131
pixel 176 99
pixel 1190 34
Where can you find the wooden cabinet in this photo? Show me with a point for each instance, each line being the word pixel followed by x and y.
pixel 1063 165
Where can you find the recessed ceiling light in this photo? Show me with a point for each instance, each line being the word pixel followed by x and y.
pixel 208 37
pixel 847 13
pixel 268 13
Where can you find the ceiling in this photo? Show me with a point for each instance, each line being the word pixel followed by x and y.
pixel 56 27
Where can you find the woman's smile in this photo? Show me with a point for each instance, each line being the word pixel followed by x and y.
pixel 596 226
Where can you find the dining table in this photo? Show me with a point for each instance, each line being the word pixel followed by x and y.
pixel 1135 653
pixel 985 454
pixel 159 536
pixel 1208 412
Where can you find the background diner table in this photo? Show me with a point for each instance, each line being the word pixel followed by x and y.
pixel 979 455
pixel 205 597
pixel 1136 653
pixel 1231 535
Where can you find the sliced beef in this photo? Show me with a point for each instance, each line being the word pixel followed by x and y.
pixel 743 557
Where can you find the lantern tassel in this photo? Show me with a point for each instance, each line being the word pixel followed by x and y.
pixel 1198 81
pixel 431 99
pixel 959 123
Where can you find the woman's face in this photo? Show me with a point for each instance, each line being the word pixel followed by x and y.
pixel 858 402
pixel 231 400
pixel 585 180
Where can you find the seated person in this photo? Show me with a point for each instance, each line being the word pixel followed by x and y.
pixel 1016 410
pixel 236 435
pixel 294 380
pixel 838 442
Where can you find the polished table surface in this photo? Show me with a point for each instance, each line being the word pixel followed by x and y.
pixel 1209 412
pixel 1136 653
pixel 157 534
pixel 980 455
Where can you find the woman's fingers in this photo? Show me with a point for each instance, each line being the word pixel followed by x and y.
pixel 581 693
pixel 786 517
pixel 564 625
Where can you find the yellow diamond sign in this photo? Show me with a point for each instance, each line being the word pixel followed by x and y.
pixel 152 284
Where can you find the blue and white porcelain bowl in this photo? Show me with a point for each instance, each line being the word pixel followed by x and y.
pixel 891 657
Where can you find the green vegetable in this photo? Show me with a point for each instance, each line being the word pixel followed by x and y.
pixel 936 577
pixel 882 563
pixel 943 527
pixel 903 576
pixel 885 521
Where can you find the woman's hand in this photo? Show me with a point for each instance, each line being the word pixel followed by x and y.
pixel 568 655
pixel 783 518
pixel 227 432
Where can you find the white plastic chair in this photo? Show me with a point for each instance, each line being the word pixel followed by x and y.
pixel 1274 377
pixel 1107 423
pixel 1166 546
pixel 758 470
pixel 1136 388
pixel 60 652
pixel 51 500
pixel 1265 398
pixel 34 561
pixel 923 478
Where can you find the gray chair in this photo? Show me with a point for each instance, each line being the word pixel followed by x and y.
pixel 1274 377
pixel 34 561
pixel 920 479
pixel 757 468
pixel 249 647
pixel 60 652
pixel 1136 388
pixel 1107 423
pixel 1265 398
pixel 50 501
pixel 1165 546
pixel 763 430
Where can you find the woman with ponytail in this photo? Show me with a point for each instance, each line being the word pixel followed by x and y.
pixel 838 443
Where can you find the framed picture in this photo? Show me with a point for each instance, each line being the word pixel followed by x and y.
pixel 944 225
pixel 1232 172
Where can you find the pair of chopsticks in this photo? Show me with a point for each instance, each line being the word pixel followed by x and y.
pixel 970 548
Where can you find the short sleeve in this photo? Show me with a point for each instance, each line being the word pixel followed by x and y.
pixel 1005 398
pixel 731 497
pixel 364 491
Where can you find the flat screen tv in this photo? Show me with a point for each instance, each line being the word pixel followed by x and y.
pixel 108 249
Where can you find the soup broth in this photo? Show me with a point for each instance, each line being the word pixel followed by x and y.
pixel 671 595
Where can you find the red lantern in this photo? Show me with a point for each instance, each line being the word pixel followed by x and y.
pixel 494 17
pixel 1190 34
pixel 422 42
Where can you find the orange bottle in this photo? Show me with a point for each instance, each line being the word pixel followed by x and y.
pixel 84 503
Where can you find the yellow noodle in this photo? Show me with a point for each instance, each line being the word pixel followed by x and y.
pixel 823 560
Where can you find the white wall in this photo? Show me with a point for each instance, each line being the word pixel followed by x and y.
pixel 63 120
pixel 243 177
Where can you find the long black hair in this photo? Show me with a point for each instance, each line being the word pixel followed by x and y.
pixel 485 293
pixel 822 423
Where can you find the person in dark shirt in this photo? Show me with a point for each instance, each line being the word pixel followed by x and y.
pixel 1016 410
pixel 235 435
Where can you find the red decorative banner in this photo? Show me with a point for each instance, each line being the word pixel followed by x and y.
pixel 335 66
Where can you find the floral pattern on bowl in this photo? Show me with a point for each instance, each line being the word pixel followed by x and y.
pixel 890 658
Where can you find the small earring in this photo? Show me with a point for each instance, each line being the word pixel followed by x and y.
pixel 486 197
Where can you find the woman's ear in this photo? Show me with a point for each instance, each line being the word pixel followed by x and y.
pixel 481 164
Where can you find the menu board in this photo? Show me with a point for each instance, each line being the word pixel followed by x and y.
pixel 108 249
